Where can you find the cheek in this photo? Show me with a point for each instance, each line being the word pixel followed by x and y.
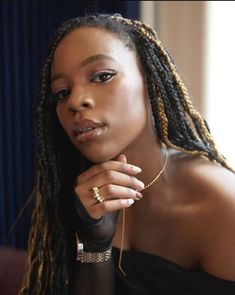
pixel 131 103
pixel 129 119
pixel 61 116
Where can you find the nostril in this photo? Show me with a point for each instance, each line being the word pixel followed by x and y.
pixel 79 104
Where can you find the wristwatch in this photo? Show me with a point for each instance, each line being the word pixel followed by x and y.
pixel 91 257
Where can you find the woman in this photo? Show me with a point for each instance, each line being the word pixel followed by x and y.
pixel 133 196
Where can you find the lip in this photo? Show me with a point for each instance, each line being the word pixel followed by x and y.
pixel 88 130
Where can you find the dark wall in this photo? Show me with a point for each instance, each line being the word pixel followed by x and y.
pixel 25 30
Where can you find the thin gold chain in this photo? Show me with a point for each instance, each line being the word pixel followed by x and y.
pixel 124 211
pixel 122 242
pixel 160 172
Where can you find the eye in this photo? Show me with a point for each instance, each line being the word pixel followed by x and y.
pixel 61 95
pixel 103 77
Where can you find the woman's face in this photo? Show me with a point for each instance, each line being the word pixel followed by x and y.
pixel 102 103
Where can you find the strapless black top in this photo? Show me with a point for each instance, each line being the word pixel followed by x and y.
pixel 148 274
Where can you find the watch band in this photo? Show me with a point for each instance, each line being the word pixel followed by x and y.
pixel 92 257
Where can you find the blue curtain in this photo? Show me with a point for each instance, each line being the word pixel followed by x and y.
pixel 25 30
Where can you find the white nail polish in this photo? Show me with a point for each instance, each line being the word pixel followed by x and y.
pixel 129 202
pixel 137 169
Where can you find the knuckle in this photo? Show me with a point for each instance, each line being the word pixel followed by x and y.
pixel 132 179
pixel 123 166
pixel 109 189
pixel 131 192
pixel 103 166
pixel 109 174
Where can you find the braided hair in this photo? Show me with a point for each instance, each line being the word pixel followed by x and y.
pixel 51 248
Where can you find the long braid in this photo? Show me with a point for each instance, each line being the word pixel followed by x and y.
pixel 41 266
pixel 178 125
pixel 201 124
pixel 196 126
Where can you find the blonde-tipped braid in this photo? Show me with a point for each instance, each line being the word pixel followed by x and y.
pixel 32 254
pixel 187 103
pixel 189 107
pixel 152 36
pixel 38 258
pixel 166 140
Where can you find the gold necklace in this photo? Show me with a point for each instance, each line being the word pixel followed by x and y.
pixel 124 211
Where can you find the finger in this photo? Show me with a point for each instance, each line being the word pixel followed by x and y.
pixel 105 180
pixel 100 209
pixel 120 166
pixel 116 178
pixel 122 158
pixel 112 191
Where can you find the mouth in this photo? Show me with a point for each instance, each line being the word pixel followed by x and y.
pixel 88 131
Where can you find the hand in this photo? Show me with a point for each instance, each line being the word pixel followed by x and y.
pixel 118 186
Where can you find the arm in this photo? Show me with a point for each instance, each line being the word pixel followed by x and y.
pixel 93 274
pixel 216 222
pixel 218 255
pixel 94 278
pixel 97 222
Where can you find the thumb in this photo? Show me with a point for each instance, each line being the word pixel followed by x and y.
pixel 122 158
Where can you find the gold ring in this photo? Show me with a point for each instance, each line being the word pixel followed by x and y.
pixel 96 195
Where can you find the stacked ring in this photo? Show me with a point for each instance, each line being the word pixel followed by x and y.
pixel 96 195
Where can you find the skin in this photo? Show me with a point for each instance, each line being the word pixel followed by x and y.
pixel 188 215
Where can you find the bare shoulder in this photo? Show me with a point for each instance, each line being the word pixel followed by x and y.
pixel 211 188
pixel 206 180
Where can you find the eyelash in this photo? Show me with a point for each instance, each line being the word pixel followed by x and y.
pixel 110 73
pixel 65 92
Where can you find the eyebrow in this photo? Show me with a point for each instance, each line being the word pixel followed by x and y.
pixel 84 63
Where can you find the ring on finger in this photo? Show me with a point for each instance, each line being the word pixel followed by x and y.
pixel 97 196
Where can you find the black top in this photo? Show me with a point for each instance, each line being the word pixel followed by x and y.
pixel 148 274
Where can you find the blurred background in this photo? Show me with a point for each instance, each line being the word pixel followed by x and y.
pixel 198 34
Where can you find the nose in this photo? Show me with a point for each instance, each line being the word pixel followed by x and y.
pixel 79 103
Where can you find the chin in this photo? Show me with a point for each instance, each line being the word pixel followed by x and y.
pixel 100 157
pixel 99 152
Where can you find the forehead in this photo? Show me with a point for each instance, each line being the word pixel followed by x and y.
pixel 88 41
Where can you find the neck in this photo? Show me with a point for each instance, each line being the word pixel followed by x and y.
pixel 150 156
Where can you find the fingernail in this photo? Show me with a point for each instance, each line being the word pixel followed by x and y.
pixel 140 184
pixel 128 202
pixel 139 195
pixel 136 169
